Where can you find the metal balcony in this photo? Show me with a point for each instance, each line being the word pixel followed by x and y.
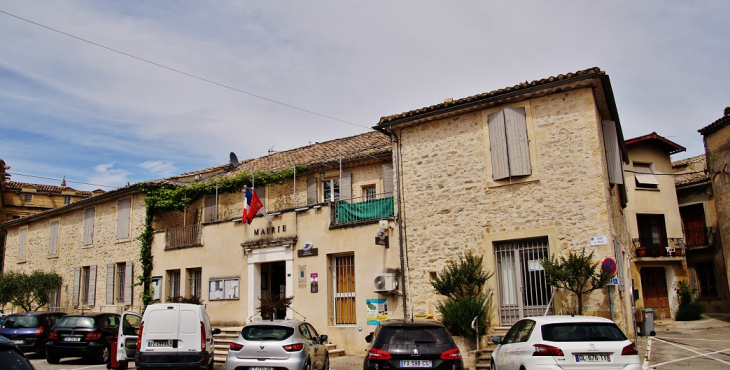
pixel 697 238
pixel 183 237
pixel 363 209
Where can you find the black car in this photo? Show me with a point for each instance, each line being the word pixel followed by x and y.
pixel 404 344
pixel 85 335
pixel 29 331
pixel 11 357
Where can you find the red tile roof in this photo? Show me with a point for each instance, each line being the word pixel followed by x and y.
pixel 53 189
pixel 714 126
pixel 670 146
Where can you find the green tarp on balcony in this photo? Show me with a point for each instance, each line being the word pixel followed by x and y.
pixel 368 210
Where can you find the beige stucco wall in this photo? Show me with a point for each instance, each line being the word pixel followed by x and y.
pixel 453 205
pixel 71 253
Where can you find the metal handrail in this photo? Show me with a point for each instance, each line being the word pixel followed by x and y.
pixel 475 323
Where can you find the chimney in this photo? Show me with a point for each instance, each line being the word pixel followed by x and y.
pixel 727 111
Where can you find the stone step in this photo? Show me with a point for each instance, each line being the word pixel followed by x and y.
pixel 336 352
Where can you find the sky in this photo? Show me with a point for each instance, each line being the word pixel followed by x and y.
pixel 111 92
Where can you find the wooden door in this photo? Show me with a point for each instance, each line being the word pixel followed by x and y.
pixel 654 285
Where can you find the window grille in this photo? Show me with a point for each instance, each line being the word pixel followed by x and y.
pixel 344 290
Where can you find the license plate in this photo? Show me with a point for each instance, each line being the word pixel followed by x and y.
pixel 415 363
pixel 159 343
pixel 260 368
pixel 18 341
pixel 593 358
pixel 72 339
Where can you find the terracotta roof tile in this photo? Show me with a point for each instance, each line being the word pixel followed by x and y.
pixel 474 98
pixel 13 185
pixel 670 146
pixel 358 147
pixel 690 171
pixel 714 126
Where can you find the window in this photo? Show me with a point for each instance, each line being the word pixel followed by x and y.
pixel 644 176
pixel 84 286
pixel 28 197
pixel 194 282
pixel 210 212
pixel 156 286
pixel 652 234
pixel 88 238
pixel 223 289
pixel 331 190
pixel 85 275
pixel 120 282
pixel 54 299
pixel 67 199
pixel 343 268
pixel 124 208
pixel 368 192
pixel 53 239
pixel 173 283
pixel 706 279
pixel 694 226
pixel 509 143
pixel 22 235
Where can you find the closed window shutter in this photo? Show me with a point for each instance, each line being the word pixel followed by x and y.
pixel 77 284
pixel 388 179
pixel 261 193
pixel 22 235
pixel 92 285
pixel 88 226
pixel 128 284
pixel 209 214
pixel 124 207
pixel 346 186
pixel 498 146
pixel 613 153
pixel 110 284
pixel 517 144
pixel 311 190
pixel 53 241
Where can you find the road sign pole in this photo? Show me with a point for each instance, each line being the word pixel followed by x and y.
pixel 610 299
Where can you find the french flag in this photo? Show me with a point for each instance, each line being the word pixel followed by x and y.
pixel 251 206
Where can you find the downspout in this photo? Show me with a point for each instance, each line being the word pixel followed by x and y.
pixel 396 155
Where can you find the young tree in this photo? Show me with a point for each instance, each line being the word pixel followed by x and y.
pixel 576 273
pixel 34 290
pixel 8 287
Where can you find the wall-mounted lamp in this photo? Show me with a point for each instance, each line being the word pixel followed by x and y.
pixel 321 176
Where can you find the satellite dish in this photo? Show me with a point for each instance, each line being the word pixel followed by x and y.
pixel 234 159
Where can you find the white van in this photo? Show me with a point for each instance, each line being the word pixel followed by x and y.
pixel 175 335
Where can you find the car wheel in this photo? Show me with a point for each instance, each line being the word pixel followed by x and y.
pixel 326 365
pixel 104 355
pixel 51 359
pixel 492 366
pixel 307 365
pixel 210 365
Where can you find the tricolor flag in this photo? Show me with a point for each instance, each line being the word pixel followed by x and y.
pixel 251 206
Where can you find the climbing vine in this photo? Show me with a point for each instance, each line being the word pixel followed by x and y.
pixel 165 198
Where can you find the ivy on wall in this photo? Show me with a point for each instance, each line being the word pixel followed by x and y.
pixel 165 198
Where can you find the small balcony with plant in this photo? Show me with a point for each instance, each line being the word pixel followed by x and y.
pixel 658 248
pixel 362 210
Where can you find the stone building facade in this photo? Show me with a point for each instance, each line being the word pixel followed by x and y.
pixel 516 175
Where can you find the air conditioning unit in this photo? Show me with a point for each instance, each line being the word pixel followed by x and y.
pixel 385 282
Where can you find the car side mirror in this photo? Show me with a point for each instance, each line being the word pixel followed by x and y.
pixel 216 331
pixel 322 338
pixel 497 339
pixel 369 337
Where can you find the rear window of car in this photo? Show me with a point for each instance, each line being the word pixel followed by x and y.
pixel 12 359
pixel 412 334
pixel 582 332
pixel 76 322
pixel 268 332
pixel 14 321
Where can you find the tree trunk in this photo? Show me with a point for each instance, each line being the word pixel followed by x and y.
pixel 580 303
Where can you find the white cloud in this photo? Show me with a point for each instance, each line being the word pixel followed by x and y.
pixel 106 174
pixel 159 168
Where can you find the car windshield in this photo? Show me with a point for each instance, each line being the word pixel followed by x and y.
pixel 267 332
pixel 582 332
pixel 12 359
pixel 412 334
pixel 14 321
pixel 76 322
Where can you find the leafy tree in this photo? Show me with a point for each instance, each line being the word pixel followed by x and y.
pixel 576 273
pixel 28 291
pixel 8 287
pixel 462 283
pixel 688 310
pixel 271 303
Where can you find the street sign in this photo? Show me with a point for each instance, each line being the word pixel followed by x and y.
pixel 613 281
pixel 609 266
pixel 598 240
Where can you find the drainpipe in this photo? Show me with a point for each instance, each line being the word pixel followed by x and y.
pixel 394 137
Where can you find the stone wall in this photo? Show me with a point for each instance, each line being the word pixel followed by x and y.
pixel 717 148
pixel 451 203
pixel 106 248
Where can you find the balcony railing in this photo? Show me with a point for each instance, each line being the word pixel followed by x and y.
pixel 671 247
pixel 181 237
pixel 361 209
pixel 697 238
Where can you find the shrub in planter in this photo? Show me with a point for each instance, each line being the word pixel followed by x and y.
pixel 690 311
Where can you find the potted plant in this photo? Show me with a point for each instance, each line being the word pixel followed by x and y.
pixel 641 252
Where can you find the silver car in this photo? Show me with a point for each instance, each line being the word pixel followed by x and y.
pixel 278 345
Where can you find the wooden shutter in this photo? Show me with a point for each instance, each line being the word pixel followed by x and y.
pixel 128 284
pixel 22 237
pixel 77 284
pixel 312 190
pixel 388 179
pixel 498 146
pixel 53 240
pixel 124 208
pixel 209 213
pixel 517 144
pixel 88 226
pixel 613 153
pixel 110 284
pixel 92 285
pixel 261 193
pixel 346 186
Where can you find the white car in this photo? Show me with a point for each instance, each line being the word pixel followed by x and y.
pixel 564 342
